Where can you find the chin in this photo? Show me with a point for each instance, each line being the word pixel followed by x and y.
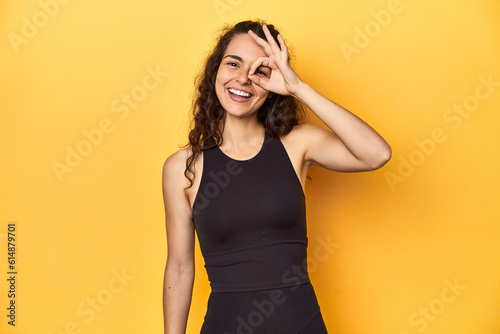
pixel 241 114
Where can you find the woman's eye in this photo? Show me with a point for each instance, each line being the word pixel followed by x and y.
pixel 259 72
pixel 232 64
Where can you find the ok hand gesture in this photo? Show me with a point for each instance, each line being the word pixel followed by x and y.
pixel 283 80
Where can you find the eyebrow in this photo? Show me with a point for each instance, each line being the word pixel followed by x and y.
pixel 234 57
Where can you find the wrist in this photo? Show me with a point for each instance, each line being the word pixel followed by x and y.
pixel 301 91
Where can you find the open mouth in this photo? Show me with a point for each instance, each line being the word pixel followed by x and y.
pixel 239 95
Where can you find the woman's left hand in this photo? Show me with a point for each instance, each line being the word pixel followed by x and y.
pixel 283 80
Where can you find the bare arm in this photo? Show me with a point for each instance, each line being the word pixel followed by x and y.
pixel 351 145
pixel 179 270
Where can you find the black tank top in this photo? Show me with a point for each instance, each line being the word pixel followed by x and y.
pixel 250 220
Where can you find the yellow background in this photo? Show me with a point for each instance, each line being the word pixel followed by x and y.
pixel 402 236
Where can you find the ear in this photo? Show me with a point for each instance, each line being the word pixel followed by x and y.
pixel 269 95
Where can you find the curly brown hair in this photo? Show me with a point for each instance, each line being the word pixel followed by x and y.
pixel 278 115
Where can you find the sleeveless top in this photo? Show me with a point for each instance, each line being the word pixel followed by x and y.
pixel 250 219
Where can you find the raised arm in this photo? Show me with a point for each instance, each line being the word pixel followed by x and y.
pixel 179 270
pixel 351 145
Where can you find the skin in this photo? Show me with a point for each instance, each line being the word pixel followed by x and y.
pixel 259 67
pixel 233 73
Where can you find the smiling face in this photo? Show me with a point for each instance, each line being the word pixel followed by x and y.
pixel 238 95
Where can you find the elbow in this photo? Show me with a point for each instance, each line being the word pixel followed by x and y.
pixel 180 268
pixel 185 269
pixel 381 158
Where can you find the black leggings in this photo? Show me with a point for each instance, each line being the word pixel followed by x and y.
pixel 292 310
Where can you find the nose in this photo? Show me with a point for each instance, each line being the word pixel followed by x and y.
pixel 242 77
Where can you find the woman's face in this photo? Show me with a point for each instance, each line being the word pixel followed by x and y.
pixel 238 95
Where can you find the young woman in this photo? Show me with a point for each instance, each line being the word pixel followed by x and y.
pixel 239 185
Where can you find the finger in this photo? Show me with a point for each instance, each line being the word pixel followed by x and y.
pixel 261 61
pixel 265 45
pixel 259 81
pixel 270 39
pixel 284 48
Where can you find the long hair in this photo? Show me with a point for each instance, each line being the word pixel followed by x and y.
pixel 278 115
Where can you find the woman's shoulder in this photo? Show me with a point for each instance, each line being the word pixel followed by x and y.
pixel 175 164
pixel 303 132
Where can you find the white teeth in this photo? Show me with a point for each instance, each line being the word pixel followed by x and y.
pixel 239 92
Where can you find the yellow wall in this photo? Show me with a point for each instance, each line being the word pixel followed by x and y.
pixel 414 246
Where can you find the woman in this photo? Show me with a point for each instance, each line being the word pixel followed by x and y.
pixel 239 185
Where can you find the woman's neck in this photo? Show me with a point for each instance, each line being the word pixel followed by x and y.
pixel 241 135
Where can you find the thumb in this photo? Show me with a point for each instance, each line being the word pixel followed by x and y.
pixel 258 80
